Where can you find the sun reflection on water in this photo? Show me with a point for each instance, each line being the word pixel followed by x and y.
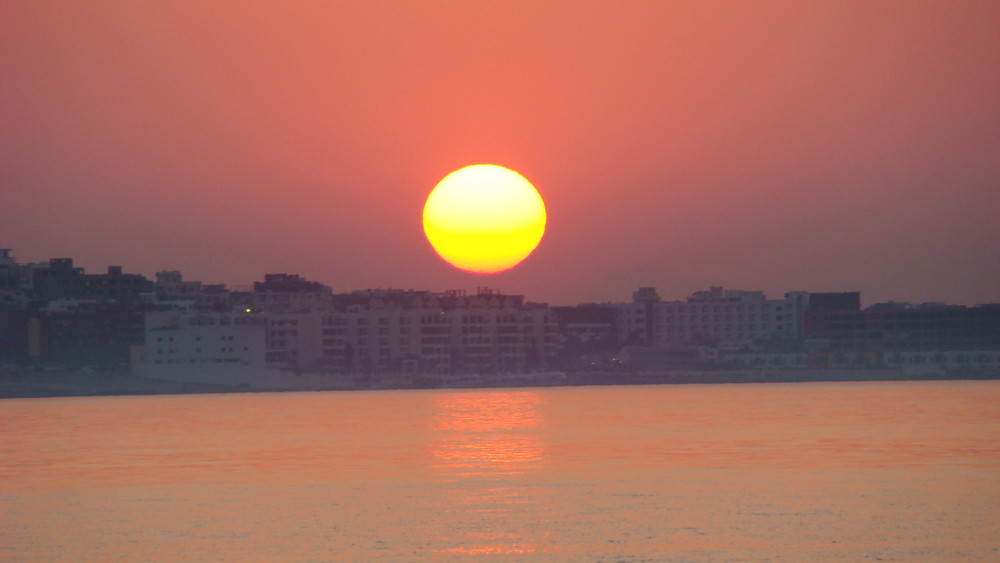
pixel 485 434
pixel 487 442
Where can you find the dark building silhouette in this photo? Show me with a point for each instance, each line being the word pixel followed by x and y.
pixel 647 298
pixel 586 323
pixel 282 293
pixel 84 334
pixel 588 335
pixel 172 288
pixel 13 276
pixel 900 327
pixel 66 317
pixel 846 301
pixel 59 279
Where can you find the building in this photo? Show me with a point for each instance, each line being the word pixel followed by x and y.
pixel 171 286
pixel 634 321
pixel 212 347
pixel 730 318
pixel 843 301
pixel 13 276
pixel 438 333
pixel 60 279
pixel 175 338
pixel 588 324
pixel 15 283
pixel 892 327
pixel 442 337
pixel 80 333
pixel 56 314
pixel 282 293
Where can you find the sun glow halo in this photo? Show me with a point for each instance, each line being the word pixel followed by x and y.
pixel 484 218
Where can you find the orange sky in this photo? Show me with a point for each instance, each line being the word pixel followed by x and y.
pixel 780 146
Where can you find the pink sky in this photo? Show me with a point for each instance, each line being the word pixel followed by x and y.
pixel 819 146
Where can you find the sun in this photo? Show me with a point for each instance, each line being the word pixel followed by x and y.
pixel 484 218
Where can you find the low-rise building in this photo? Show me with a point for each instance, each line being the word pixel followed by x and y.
pixel 181 339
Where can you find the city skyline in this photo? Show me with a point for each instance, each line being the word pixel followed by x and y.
pixel 57 313
pixel 171 277
pixel 772 147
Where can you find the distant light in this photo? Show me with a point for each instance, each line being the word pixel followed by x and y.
pixel 248 310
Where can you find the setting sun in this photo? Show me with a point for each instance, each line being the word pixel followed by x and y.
pixel 484 218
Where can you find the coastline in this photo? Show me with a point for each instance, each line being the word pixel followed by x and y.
pixel 32 384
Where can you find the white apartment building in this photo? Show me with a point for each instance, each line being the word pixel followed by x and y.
pixel 728 318
pixel 422 332
pixel 180 339
pixel 221 348
pixel 382 331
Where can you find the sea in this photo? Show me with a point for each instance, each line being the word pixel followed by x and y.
pixel 893 471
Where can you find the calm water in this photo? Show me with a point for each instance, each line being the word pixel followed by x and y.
pixel 801 472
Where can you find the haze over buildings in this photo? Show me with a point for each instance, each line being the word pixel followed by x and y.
pixel 820 145
pixel 287 332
